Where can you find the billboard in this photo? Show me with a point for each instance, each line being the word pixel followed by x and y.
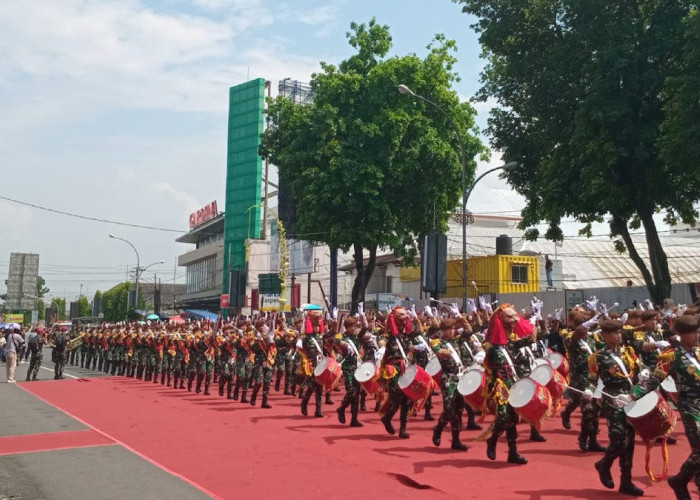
pixel 21 281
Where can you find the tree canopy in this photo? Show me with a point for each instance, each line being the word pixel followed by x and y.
pixel 367 166
pixel 588 94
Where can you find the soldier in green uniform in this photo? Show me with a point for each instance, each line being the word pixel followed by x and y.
pixel 60 342
pixel 349 346
pixel 311 352
pixel 446 350
pixel 683 364
pixel 583 344
pixel 265 353
pixel 617 368
pixel 501 375
pixel 283 363
pixel 35 344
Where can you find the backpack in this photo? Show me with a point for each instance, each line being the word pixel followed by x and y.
pixel 61 342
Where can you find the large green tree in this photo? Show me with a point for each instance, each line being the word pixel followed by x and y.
pixel 41 289
pixel 582 88
pixel 367 166
pixel 84 307
pixel 115 303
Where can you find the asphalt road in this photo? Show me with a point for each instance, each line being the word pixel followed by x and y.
pixel 104 471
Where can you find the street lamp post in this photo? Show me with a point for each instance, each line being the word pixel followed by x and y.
pixel 138 264
pixel 403 89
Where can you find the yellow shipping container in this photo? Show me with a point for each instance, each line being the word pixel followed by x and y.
pixel 495 274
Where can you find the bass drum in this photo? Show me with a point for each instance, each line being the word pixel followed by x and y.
pixel 530 399
pixel 434 369
pixel 471 386
pixel 367 374
pixel 416 383
pixel 650 416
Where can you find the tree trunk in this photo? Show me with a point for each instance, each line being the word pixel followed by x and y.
pixel 658 281
pixel 658 261
pixel 364 273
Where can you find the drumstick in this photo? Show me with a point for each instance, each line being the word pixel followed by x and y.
pixel 584 392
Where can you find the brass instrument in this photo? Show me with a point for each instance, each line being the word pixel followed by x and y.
pixel 74 343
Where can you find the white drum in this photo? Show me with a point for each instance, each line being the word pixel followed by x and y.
pixel 542 374
pixel 669 385
pixel 366 371
pixel 433 368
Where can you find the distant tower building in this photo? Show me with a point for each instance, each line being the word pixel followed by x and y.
pixel 21 281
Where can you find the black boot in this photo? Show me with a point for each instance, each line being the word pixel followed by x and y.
pixel 437 433
pixel 566 420
pixel 456 443
pixel 190 380
pixel 603 469
pixel 167 379
pixel 628 487
pixel 293 388
pixel 403 434
pixel 536 436
pixel 513 456
pixel 428 416
pixel 353 411
pixel 265 396
pixel 155 378
pixel 388 425
pixel 363 398
pixel 583 441
pixel 341 414
pixel 182 383
pixel 207 382
pixel 254 396
pixel 594 445
pixel 305 401
pixel 491 447
pixel 471 420
pixel 328 399
pixel 278 379
pixel 236 390
pixel 221 387
pixel 286 386
pixel 200 379
pixel 403 421
pixel 679 487
pixel 319 413
pixel 162 378
pixel 244 395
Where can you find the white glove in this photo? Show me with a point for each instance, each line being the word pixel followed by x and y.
pixel 489 309
pixel 455 310
pixel 648 305
pixel 623 318
pixel 603 309
pixel 644 376
pixel 592 304
pixel 435 311
pixel 334 314
pixel 559 314
pixel 413 312
pixel 681 309
pixel 480 356
pixel 662 344
pixel 588 324
pixel 419 347
pixel 482 302
pixel 476 342
pixel 299 344
pixel 361 308
pixel 271 337
pixel 533 346
pixel 471 306
pixel 533 319
pixel 623 400
pixel 587 394
pixel 428 311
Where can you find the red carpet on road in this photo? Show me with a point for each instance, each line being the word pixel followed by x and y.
pixel 234 450
pixel 9 445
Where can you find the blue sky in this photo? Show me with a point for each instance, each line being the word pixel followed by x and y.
pixel 116 109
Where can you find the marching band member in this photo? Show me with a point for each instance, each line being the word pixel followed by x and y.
pixel 617 368
pixel 350 347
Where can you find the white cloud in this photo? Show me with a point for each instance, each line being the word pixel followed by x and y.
pixel 13 217
pixel 189 202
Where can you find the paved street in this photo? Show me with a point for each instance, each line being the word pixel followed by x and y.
pixel 47 454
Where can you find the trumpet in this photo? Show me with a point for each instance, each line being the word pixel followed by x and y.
pixel 74 343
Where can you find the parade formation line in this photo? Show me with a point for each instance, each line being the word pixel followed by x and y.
pixel 228 449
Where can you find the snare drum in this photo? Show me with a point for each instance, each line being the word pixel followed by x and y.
pixel 328 373
pixel 471 386
pixel 367 374
pixel 650 416
pixel 669 385
pixel 434 369
pixel 559 363
pixel 530 399
pixel 551 379
pixel 416 383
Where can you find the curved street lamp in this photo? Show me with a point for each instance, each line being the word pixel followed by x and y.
pixel 138 264
pixel 403 89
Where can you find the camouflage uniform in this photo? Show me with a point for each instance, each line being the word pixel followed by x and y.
pixel 500 379
pixel 647 358
pixel 227 359
pixel 283 363
pixel 35 346
pixel 204 362
pixel 605 364
pixel 350 362
pixel 469 346
pixel 311 343
pixel 420 357
pixel 391 369
pixel 523 368
pixel 60 341
pixel 265 353
pixel 678 364
pixel 180 364
pixel 243 368
pixel 579 350
pixel 452 401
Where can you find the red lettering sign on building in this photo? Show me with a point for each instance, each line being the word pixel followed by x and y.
pixel 203 214
pixel 225 301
